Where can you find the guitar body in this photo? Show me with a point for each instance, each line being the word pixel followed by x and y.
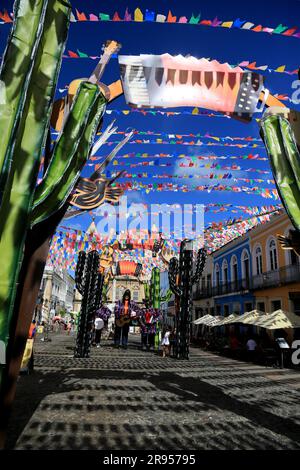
pixel 123 320
pixel 111 92
pixel 62 106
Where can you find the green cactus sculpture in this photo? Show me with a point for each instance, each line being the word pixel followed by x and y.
pixel 30 214
pixel 284 157
pixel 89 283
pixel 152 291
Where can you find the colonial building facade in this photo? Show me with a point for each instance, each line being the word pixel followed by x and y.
pixel 56 293
pixel 252 271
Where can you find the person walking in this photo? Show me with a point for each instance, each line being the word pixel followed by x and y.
pixel 98 326
pixel 166 343
pixel 69 328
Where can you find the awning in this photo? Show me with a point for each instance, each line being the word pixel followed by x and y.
pixel 249 318
pixel 213 321
pixel 279 319
pixel 230 319
pixel 202 320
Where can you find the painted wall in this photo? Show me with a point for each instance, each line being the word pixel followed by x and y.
pixel 236 248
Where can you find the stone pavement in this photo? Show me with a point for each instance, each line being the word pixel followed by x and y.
pixel 138 400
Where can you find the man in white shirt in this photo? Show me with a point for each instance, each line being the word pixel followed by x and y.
pixel 251 345
pixel 98 325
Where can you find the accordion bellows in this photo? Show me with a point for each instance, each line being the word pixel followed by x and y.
pixel 172 81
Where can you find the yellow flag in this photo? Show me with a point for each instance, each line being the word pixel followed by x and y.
pixel 280 69
pixel 227 24
pixel 195 111
pixel 138 15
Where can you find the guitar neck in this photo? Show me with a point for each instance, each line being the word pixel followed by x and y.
pixel 99 70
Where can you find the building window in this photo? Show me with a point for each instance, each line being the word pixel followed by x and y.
pixel 294 259
pixel 208 281
pixel 273 255
pixel 217 275
pixel 248 307
pixel 261 306
pixel 234 269
pixel 218 309
pixel 135 296
pixel 225 271
pixel 245 266
pixel 226 310
pixel 275 305
pixel 258 260
pixel 236 308
pixel 296 306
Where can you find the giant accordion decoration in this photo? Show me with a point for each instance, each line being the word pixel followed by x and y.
pixel 171 81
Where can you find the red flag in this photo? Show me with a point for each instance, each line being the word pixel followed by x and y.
pixel 171 18
pixel 81 16
pixel 5 17
pixel 73 54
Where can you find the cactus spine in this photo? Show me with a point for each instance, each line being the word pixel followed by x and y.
pixel 181 280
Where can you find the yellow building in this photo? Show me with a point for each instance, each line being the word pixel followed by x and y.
pixel 276 272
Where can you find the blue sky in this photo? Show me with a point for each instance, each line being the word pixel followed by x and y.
pixel 225 45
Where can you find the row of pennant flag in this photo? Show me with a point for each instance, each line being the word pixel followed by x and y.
pixel 151 16
pixel 68 242
pixel 207 135
pixel 210 207
pixel 190 158
pixel 244 63
pixel 187 164
pixel 183 142
pixel 176 187
pixel 211 176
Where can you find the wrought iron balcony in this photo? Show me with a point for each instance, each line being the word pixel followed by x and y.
pixel 285 275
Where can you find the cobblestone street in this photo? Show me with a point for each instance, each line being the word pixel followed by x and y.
pixel 138 400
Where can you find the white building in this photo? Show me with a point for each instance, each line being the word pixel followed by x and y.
pixel 56 293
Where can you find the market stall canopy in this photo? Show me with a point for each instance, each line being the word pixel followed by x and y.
pixel 255 317
pixel 202 320
pixel 230 319
pixel 213 321
pixel 249 318
pixel 279 319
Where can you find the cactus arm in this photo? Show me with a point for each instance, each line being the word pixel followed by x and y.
pixel 290 147
pixel 147 293
pixel 156 288
pixel 68 142
pixel 79 272
pixel 15 76
pixel 172 274
pixel 62 189
pixel 166 297
pixel 200 263
pixel 283 173
pixel 33 123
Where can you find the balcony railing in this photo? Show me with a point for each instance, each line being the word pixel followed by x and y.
pixel 279 277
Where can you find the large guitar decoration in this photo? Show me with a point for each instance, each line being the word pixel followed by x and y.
pixel 62 106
